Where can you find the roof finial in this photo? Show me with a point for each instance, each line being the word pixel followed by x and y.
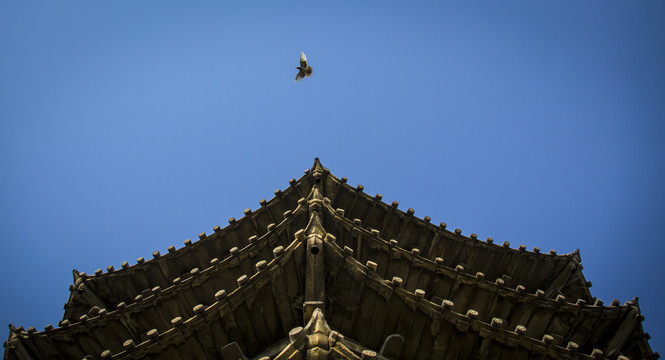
pixel 315 194
pixel 315 226
pixel 317 323
pixel 315 199
pixel 317 167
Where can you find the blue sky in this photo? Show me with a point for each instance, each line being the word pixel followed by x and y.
pixel 126 127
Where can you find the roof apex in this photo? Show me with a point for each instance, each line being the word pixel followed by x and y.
pixel 317 166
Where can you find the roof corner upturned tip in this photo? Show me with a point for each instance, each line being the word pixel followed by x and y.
pixel 576 255
pixel 76 275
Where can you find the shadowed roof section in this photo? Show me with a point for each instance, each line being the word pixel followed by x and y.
pixel 326 270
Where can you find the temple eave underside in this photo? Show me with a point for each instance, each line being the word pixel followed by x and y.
pixel 324 270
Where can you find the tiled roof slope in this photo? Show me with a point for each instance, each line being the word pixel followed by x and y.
pixel 325 270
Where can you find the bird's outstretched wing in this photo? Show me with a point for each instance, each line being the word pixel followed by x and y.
pixel 301 74
pixel 303 60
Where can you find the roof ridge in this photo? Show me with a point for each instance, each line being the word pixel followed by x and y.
pixel 244 282
pixel 339 213
pixel 189 244
pixel 223 298
pixel 215 264
pixel 417 300
pixel 559 303
pixel 426 221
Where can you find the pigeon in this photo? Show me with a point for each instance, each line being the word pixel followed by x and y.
pixel 305 70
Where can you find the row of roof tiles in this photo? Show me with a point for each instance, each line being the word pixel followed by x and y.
pixel 145 299
pixel 233 223
pixel 417 300
pixel 433 266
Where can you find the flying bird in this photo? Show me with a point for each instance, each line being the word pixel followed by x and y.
pixel 305 70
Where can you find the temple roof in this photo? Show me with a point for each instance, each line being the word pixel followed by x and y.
pixel 324 269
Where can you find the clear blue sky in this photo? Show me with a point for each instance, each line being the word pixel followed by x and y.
pixel 127 127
